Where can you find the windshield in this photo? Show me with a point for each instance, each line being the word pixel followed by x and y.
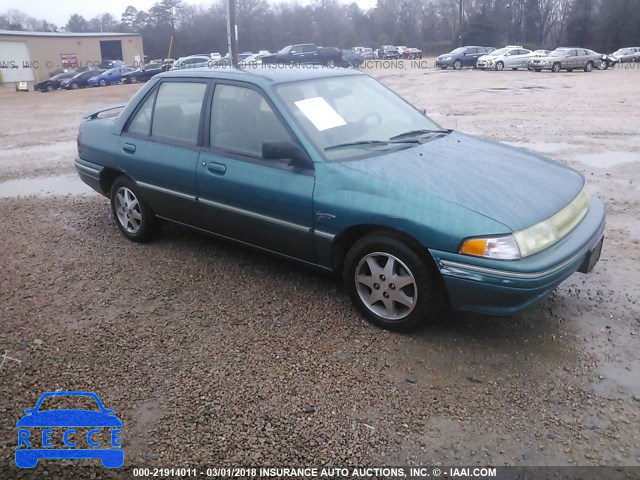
pixel 458 50
pixel 349 109
pixel 286 49
pixel 558 53
pixel 501 51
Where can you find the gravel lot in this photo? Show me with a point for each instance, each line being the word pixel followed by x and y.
pixel 215 355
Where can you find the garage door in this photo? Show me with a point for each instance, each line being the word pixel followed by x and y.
pixel 14 61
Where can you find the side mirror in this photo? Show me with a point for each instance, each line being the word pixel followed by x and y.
pixel 286 151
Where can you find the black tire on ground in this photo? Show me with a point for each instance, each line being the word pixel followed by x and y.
pixel 50 88
pixel 74 86
pixel 457 65
pixel 103 83
pixel 556 68
pixel 499 66
pixel 133 216
pixel 423 293
pixel 588 67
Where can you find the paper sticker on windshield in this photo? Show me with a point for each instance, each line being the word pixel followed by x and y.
pixel 320 113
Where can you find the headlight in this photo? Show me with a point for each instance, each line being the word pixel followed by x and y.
pixel 446 59
pixel 498 248
pixel 544 234
pixel 531 240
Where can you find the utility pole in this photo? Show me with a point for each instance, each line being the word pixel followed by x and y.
pixel 461 9
pixel 232 32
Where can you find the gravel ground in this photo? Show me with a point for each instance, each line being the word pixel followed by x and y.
pixel 215 355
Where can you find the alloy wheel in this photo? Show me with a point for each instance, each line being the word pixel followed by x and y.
pixel 128 210
pixel 386 286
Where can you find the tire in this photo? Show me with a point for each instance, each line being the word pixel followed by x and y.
pixel 133 79
pixel 330 63
pixel 74 86
pixel 418 300
pixel 457 65
pixel 134 218
pixel 103 83
pixel 569 70
pixel 50 88
pixel 588 67
pixel 499 66
pixel 555 68
pixel 603 65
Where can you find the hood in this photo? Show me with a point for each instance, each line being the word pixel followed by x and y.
pixel 69 418
pixel 487 57
pixel 507 184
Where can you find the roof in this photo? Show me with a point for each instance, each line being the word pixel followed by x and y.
pixel 269 73
pixel 67 34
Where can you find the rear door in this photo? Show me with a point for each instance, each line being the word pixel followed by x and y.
pixel 160 145
pixel 265 203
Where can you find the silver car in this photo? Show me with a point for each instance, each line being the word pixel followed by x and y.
pixel 511 56
pixel 626 55
pixel 568 59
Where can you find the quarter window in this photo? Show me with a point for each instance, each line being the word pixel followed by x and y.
pixel 241 120
pixel 177 112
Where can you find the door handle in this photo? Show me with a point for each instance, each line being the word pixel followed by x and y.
pixel 129 147
pixel 217 168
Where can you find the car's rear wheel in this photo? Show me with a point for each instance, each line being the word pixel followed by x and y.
pixel 457 65
pixel 133 216
pixel 499 66
pixel 389 283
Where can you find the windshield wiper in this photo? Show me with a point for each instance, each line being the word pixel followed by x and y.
pixel 415 133
pixel 356 144
pixel 375 143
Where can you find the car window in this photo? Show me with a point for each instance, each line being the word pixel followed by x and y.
pixel 308 49
pixel 241 120
pixel 141 123
pixel 176 115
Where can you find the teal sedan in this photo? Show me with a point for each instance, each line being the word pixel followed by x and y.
pixel 330 168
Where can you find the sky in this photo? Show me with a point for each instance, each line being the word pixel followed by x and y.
pixel 59 11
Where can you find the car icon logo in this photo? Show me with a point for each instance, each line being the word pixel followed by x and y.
pixel 54 433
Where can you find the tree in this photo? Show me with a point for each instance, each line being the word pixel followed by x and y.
pixel 77 23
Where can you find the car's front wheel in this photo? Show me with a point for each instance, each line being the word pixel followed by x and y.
pixel 457 65
pixel 133 216
pixel 390 283
pixel 588 67
pixel 499 66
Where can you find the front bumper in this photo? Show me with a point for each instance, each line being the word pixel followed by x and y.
pixel 504 288
pixel 444 63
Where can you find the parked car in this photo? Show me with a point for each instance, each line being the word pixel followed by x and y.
pixel 80 80
pixel 352 58
pixel 192 61
pixel 511 56
pixel 367 53
pixel 388 52
pixel 626 55
pixel 414 53
pixel 112 76
pixel 462 57
pixel 243 56
pixel 52 83
pixel 536 54
pixel 568 59
pixel 145 73
pixel 358 182
pixel 306 53
pixel 107 64
pixel 58 71
pixel 254 60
